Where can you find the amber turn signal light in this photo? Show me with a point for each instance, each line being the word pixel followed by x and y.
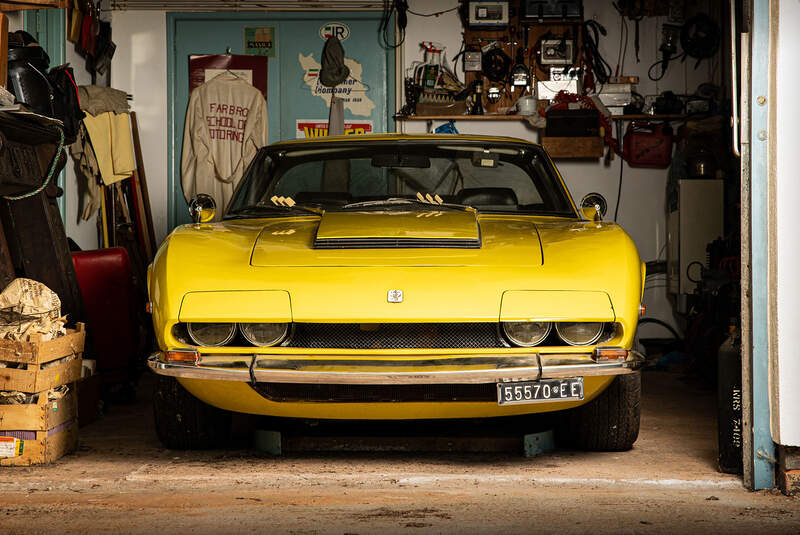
pixel 148 307
pixel 610 353
pixel 186 356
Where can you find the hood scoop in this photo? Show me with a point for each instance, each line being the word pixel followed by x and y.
pixel 393 229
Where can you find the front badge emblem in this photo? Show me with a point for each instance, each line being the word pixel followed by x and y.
pixel 395 296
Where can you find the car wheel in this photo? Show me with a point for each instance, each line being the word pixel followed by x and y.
pixel 610 422
pixel 183 422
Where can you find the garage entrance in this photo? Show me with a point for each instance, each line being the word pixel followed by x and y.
pixel 560 275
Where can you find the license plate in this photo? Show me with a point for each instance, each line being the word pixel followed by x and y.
pixel 535 391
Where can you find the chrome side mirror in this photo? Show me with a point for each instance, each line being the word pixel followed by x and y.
pixel 593 206
pixel 203 208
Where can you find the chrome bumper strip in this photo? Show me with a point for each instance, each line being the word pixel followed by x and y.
pixel 478 369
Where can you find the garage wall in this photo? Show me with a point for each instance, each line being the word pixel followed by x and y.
pixel 140 68
pixel 641 210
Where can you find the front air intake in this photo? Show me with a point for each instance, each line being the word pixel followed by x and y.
pixel 397 243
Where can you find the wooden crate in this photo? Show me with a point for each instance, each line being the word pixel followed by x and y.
pixel 40 416
pixel 47 447
pixel 54 425
pixel 47 363
pixel 38 352
pixel 573 147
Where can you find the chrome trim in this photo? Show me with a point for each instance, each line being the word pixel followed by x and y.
pixel 324 369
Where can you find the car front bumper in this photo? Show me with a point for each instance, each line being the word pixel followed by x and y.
pixel 390 370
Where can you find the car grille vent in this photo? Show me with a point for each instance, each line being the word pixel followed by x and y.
pixel 397 243
pixel 396 335
pixel 336 393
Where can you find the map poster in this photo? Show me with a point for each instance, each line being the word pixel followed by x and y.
pixel 259 41
pixel 199 64
pixel 319 128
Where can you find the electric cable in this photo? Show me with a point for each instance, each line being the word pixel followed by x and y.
pixel 389 7
pixel 619 188
pixel 664 324
pixel 592 30
pixel 435 14
pixel 664 64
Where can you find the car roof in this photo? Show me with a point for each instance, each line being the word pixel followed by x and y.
pixel 404 137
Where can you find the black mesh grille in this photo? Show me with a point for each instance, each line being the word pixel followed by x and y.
pixel 396 243
pixel 376 393
pixel 395 335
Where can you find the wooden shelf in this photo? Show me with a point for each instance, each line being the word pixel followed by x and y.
pixel 459 117
pixel 19 5
pixel 629 117
pixel 647 117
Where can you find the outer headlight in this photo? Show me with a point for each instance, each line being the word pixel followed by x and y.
pixel 211 334
pixel 264 334
pixel 579 333
pixel 527 333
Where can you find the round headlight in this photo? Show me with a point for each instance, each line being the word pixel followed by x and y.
pixel 264 334
pixel 527 333
pixel 579 333
pixel 211 334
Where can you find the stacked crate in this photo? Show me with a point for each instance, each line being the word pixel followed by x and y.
pixel 46 371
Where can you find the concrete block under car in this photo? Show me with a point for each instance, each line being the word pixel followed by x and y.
pixel 267 441
pixel 538 443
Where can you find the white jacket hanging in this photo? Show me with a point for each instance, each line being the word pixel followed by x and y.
pixel 226 124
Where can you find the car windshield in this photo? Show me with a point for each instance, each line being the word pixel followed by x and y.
pixel 383 175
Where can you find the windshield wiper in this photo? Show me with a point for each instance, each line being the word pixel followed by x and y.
pixel 255 210
pixel 395 201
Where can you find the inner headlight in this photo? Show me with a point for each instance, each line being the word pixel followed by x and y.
pixel 579 333
pixel 211 334
pixel 264 334
pixel 527 333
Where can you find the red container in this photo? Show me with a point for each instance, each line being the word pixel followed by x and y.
pixel 647 145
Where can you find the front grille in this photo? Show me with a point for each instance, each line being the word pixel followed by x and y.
pixel 397 243
pixel 396 335
pixel 334 393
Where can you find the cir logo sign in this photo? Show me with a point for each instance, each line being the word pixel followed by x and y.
pixel 339 30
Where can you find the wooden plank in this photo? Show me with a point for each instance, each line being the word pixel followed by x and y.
pixel 46 448
pixel 3 49
pixel 37 380
pixel 141 180
pixel 40 416
pixel 495 117
pixel 573 147
pixel 38 352
pixel 20 5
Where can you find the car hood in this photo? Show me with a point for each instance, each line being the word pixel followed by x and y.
pixel 398 238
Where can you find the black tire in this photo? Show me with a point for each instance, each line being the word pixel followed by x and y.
pixel 183 422
pixel 610 422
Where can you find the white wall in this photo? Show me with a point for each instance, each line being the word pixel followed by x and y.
pixel 140 68
pixel 641 210
pixel 785 364
pixel 83 232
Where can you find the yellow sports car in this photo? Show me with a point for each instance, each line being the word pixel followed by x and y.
pixel 398 277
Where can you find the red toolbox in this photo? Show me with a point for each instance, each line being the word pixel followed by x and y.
pixel 647 144
pixel 104 277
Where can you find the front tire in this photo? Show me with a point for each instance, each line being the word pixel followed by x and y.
pixel 183 422
pixel 610 422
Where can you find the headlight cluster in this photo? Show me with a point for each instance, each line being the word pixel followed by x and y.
pixel 220 334
pixel 533 333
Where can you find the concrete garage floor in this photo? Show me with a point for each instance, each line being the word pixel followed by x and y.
pixel 122 481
